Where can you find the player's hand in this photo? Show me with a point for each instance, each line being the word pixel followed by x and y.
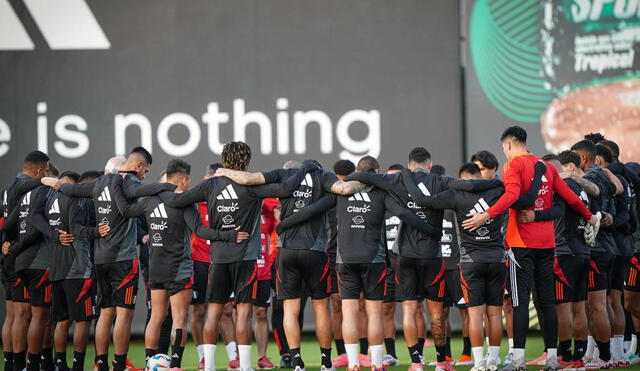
pixel 51 182
pixel 219 173
pixel 595 219
pixel 607 219
pixel 65 238
pixel 6 247
pixel 178 190
pixel 241 235
pixel 526 216
pixel 103 229
pixel 475 220
pixel 145 239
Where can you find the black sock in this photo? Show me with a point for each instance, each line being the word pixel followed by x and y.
pixel 364 346
pixel 421 345
pixel 61 361
pixel 325 357
pixel 78 361
pixel 414 352
pixel 46 359
pixel 564 349
pixel 605 350
pixel 638 348
pixel 33 362
pixel 296 358
pixel 448 347
pixel 103 362
pixel 176 357
pixel 579 349
pixel 390 345
pixel 119 362
pixel 441 353
pixel 466 349
pixel 340 346
pixel 148 353
pixel 8 361
pixel 19 361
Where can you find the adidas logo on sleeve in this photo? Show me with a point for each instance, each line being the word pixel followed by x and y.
pixel 480 207
pixel 26 200
pixel 360 196
pixel 159 212
pixel 55 208
pixel 307 181
pixel 228 194
pixel 105 195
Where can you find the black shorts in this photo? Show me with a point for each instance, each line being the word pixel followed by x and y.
pixel 302 271
pixel 117 284
pixel 237 278
pixel 263 298
pixel 632 283
pixel 369 279
pixel 200 278
pixel 483 283
pixel 333 275
pixel 617 272
pixel 74 299
pixel 571 273
pixel 453 288
pixel 420 279
pixel 599 267
pixel 390 295
pixel 172 287
pixel 33 287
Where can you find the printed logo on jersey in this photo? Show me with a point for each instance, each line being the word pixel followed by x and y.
pixel 228 193
pixel 156 238
pixel 360 196
pixel 480 207
pixel 105 195
pixel 104 210
pixel 299 205
pixel 159 212
pixel 227 219
pixel 4 203
pixel 55 208
pixel 306 182
pixel 544 188
pixel 228 208
pixel 357 220
pixel 26 199
pixel 105 221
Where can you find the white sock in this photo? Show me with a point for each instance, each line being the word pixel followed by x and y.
pixel 200 349
pixel 494 354
pixel 510 345
pixel 245 356
pixel 478 355
pixel 518 355
pixel 209 357
pixel 591 344
pixel 552 353
pixel 617 346
pixel 596 352
pixel 376 355
pixel 634 345
pixel 486 341
pixel 352 354
pixel 232 350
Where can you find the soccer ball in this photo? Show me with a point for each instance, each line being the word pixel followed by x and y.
pixel 159 362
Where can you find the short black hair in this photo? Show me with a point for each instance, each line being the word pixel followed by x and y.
pixel 594 137
pixel 604 152
pixel 395 167
pixel 70 174
pixel 177 167
pixel 212 168
pixel 613 147
pixel 143 151
pixel 470 168
pixel 89 174
pixel 514 132
pixel 368 163
pixel 52 170
pixel 37 158
pixel 344 167
pixel 438 170
pixel 487 159
pixel 419 155
pixel 587 147
pixel 566 157
pixel 550 157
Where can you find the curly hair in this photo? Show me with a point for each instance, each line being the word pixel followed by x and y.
pixel 236 156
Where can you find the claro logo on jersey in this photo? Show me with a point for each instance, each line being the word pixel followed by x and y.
pixel 233 207
pixel 359 209
pixel 104 210
pixel 159 226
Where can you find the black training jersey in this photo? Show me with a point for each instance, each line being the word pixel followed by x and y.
pixel 603 202
pixel 392 224
pixel 69 214
pixel 621 228
pixel 573 226
pixel 449 241
pixel 230 206
pixel 312 234
pixel 120 243
pixel 32 248
pixel 332 233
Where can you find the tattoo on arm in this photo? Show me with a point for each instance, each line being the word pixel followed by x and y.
pixel 347 188
pixel 588 187
pixel 242 177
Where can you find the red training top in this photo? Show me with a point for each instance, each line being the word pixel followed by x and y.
pixel 199 246
pixel 267 230
pixel 518 175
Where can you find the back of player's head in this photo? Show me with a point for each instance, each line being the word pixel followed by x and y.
pixel 70 175
pixel 368 163
pixel 140 153
pixel 604 153
pixel 420 155
pixel 52 170
pixel 344 167
pixel 36 160
pixel 514 133
pixel 395 168
pixel 566 157
pixel 550 157
pixel 594 137
pixel 470 169
pixel 212 168
pixel 292 164
pixel 585 147
pixel 89 176
pixel 177 168
pixel 312 161
pixel 236 156
pixel 438 170
pixel 114 164
pixel 486 158
pixel 613 147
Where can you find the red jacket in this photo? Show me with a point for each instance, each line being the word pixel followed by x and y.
pixel 517 176
pixel 199 246
pixel 267 230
